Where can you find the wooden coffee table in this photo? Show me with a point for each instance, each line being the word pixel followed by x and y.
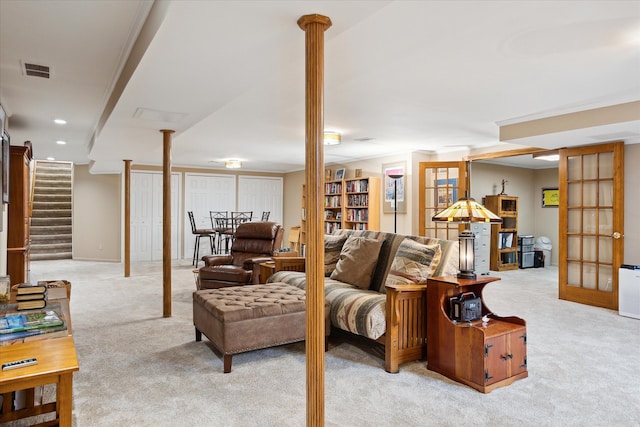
pixel 57 361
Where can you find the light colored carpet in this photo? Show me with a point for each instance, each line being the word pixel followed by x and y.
pixel 140 369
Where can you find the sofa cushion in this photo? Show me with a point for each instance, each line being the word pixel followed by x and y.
pixel 355 310
pixel 332 248
pixel 390 244
pixel 357 262
pixel 358 311
pixel 413 263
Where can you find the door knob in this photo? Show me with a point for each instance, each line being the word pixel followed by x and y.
pixel 616 235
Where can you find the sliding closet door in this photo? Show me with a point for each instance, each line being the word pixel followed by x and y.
pixel 592 223
pixel 146 215
pixel 204 193
pixel 261 193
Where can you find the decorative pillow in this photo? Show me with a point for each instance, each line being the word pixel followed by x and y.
pixel 332 247
pixel 357 262
pixel 413 262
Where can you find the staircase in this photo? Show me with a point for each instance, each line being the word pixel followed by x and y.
pixel 51 211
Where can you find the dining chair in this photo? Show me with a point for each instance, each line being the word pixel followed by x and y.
pixel 221 223
pixel 200 232
pixel 238 218
pixel 265 215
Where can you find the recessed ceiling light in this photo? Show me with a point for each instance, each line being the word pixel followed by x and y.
pixel 60 142
pixel 332 138
pixel 60 121
pixel 51 158
pixel 549 158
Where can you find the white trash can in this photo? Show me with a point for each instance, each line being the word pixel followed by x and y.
pixel 543 243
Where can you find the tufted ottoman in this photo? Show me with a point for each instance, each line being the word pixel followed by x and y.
pixel 243 318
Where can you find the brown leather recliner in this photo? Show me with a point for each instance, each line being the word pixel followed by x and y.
pixel 253 243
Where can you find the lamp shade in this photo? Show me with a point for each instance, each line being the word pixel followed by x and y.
pixel 466 210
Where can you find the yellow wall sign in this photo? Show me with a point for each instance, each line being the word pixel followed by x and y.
pixel 550 197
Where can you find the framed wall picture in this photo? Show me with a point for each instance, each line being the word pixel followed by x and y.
pixel 550 198
pixel 395 179
pixel 339 173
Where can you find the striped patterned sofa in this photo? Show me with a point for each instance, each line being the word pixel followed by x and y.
pixel 393 316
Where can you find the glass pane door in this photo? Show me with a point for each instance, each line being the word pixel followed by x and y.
pixel 591 212
pixel 441 184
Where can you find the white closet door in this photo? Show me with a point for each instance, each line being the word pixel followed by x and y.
pixel 157 219
pixel 146 215
pixel 205 193
pixel 141 216
pixel 260 193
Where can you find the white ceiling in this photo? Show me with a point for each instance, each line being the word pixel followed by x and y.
pixel 228 76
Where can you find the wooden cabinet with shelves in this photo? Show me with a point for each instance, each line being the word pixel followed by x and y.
pixel 303 218
pixel 504 237
pixel 361 204
pixel 19 213
pixel 482 355
pixel 348 203
pixel 333 205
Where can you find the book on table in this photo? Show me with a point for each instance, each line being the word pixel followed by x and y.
pixel 30 288
pixel 29 297
pixel 31 305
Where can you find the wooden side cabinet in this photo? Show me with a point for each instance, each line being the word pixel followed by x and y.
pixel 19 213
pixel 481 355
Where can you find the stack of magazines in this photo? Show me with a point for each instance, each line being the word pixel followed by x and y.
pixel 17 326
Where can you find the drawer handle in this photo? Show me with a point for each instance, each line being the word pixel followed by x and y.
pixel 507 357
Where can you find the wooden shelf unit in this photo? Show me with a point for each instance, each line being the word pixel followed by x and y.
pixel 481 355
pixel 333 205
pixel 361 204
pixel 19 213
pixel 303 218
pixel 348 203
pixel 504 237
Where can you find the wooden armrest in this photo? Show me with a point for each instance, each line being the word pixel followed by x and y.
pixel 405 337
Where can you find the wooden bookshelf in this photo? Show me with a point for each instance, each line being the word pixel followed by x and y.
pixel 504 237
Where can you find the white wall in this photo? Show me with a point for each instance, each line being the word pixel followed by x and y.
pixel 96 215
pixel 631 204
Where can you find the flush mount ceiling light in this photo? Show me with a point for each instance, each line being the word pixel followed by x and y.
pixel 550 156
pixel 233 164
pixel 60 142
pixel 60 121
pixel 332 138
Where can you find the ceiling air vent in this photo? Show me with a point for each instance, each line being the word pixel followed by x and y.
pixel 36 70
